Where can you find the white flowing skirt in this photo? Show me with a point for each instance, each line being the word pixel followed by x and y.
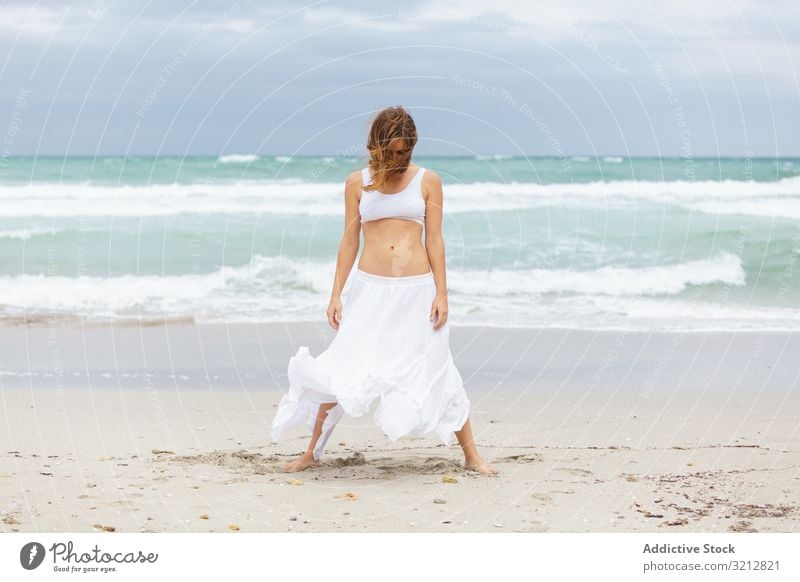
pixel 386 349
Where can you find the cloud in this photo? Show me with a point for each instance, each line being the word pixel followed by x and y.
pixel 25 19
pixel 376 22
pixel 240 25
pixel 574 61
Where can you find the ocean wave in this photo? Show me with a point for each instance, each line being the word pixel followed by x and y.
pixel 278 289
pixel 279 277
pixel 129 295
pixel 293 196
pixel 494 157
pixel 622 313
pixel 726 268
pixel 766 207
pixel 25 233
pixel 238 158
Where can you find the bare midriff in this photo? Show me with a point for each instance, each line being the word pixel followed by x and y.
pixel 393 248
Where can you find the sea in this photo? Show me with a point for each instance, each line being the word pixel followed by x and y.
pixel 582 242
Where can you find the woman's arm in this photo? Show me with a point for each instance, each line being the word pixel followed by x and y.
pixel 348 246
pixel 434 244
pixel 351 239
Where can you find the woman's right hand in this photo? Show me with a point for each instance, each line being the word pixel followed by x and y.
pixel 334 313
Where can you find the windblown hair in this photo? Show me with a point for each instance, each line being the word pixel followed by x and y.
pixel 388 125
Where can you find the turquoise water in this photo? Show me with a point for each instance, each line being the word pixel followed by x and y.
pixel 596 243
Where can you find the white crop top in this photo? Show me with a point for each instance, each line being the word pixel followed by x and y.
pixel 408 204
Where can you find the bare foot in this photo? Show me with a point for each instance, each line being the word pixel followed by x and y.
pixel 480 465
pixel 301 463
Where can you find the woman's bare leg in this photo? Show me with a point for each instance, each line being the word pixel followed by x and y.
pixel 472 460
pixel 307 459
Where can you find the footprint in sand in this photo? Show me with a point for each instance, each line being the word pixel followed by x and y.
pixel 241 461
pixel 575 471
pixel 529 458
pixel 353 460
pixel 742 526
pixel 544 497
pixel 431 465
pixel 548 497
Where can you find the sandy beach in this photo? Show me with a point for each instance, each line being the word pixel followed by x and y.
pixel 165 428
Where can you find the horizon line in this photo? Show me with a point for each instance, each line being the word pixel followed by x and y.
pixel 334 155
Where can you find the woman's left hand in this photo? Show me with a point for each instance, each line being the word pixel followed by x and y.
pixel 439 310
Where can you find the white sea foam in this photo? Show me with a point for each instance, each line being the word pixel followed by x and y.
pixel 241 287
pixel 238 158
pixel 767 207
pixel 726 268
pixel 25 233
pixel 294 196
pixel 605 312
pixel 494 157
pixel 278 289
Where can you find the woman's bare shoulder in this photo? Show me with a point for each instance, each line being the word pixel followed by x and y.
pixel 431 182
pixel 354 176
pixel 352 185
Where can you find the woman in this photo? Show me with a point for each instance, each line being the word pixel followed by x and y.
pixel 392 340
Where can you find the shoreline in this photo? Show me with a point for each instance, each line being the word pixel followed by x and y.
pixel 255 357
pixel 78 322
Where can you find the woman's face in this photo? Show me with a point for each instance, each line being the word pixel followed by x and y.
pixel 398 151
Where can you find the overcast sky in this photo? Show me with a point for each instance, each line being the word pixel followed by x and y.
pixel 678 77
